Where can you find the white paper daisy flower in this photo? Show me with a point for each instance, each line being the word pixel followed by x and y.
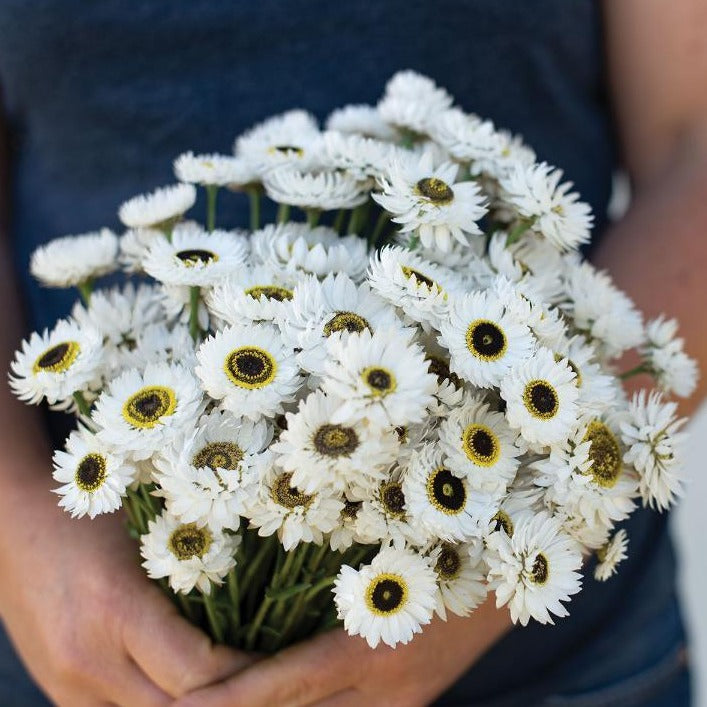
pixel 364 158
pixel 361 120
pixel 210 476
pixel 345 534
pixel 478 443
pixel 134 244
pixel 426 200
pixel 214 169
pixel 141 413
pixel 194 257
pixel 158 208
pixel 389 600
pixel 320 452
pixel 296 517
pixel 188 556
pixel 652 434
pixel 93 480
pixel 412 100
pixel 610 556
pixel 442 502
pixel 249 370
pixel 535 570
pixel 251 293
pixel 318 251
pixel 484 340
pixel 552 210
pixel 541 396
pixel 74 260
pixel 55 365
pixel 378 376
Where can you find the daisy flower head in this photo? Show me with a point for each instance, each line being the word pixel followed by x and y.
pixel 317 251
pixel 484 340
pixel 58 363
pixel 664 355
pixel 425 199
pixel 652 434
pixel 320 452
pixel 133 245
pixel 248 369
pixel 291 138
pixel 380 377
pixel 251 293
pixel 541 398
pixel 187 555
pixel 360 120
pixel 601 311
pixel 551 209
pixel 411 101
pixel 535 570
pixel 214 170
pixel 194 257
pixel 336 306
pixel 611 555
pixel 461 577
pixel 297 517
pixel 418 287
pixel 93 480
pixel 389 600
pixel 211 475
pixel 362 157
pixel 345 533
pixel 314 189
pixel 74 260
pixel 158 209
pixel 443 503
pixel 142 412
pixel 478 443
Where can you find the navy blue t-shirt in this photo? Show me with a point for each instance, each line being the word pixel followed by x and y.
pixel 101 96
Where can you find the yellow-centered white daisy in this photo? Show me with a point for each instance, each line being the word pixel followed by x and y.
pixel 214 170
pixel 388 600
pixel 161 208
pixel 249 370
pixel 360 119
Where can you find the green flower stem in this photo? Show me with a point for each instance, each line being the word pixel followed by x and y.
pixel 316 559
pixel 263 554
pixel 234 599
pixel 82 403
pixel 211 194
pixel 185 605
pixel 518 231
pixel 313 217
pixel 636 371
pixel 85 289
pixel 254 201
pixel 381 223
pixel 338 224
pixel 254 627
pixel 149 500
pixel 214 618
pixel 134 504
pixel 283 213
pixel 194 298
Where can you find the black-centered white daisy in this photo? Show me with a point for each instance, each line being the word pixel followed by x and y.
pixel 485 341
pixel 187 555
pixel 318 251
pixel 297 517
pixel 141 413
pixel 54 365
pixel 477 442
pixel 251 293
pixel 442 502
pixel 160 208
pixel 378 376
pixel 426 200
pixel 535 570
pixel 337 306
pixel 93 480
pixel 210 475
pixel 249 370
pixel 73 260
pixel 541 396
pixel 389 600
pixel 320 452
pixel 194 257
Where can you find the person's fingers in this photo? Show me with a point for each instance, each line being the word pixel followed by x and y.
pixel 299 675
pixel 135 689
pixel 346 698
pixel 176 655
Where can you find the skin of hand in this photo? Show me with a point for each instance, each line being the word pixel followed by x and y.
pixel 335 669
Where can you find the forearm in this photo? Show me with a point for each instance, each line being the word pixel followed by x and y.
pixel 657 252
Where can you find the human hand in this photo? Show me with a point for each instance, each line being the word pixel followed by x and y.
pixel 90 626
pixel 338 670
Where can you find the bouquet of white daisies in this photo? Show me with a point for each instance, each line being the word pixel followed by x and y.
pixel 396 396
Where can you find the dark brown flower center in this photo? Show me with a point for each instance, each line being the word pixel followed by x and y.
pixel 434 189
